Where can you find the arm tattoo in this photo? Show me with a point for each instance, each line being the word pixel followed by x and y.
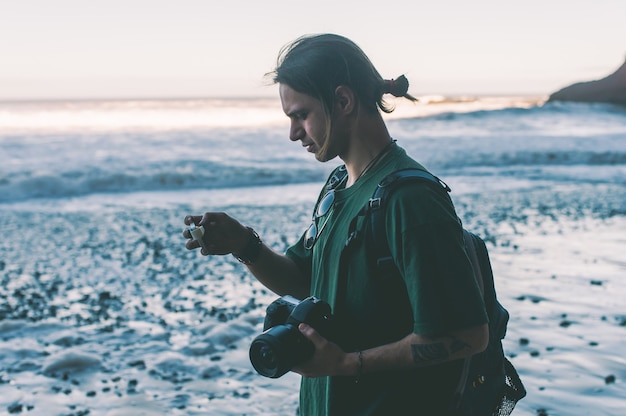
pixel 427 354
pixel 457 345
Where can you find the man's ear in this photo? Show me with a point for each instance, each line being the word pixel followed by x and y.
pixel 345 101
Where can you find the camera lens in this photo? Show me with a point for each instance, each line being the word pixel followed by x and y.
pixel 278 349
pixel 267 357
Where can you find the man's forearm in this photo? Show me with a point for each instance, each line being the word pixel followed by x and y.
pixel 280 274
pixel 415 351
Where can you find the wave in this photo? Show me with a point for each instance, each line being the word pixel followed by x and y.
pixel 188 175
pixel 34 186
pixel 459 109
pixel 537 158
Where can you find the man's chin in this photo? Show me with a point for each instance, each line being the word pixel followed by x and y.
pixel 324 157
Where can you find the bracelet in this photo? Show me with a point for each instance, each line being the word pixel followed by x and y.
pixel 250 252
pixel 359 369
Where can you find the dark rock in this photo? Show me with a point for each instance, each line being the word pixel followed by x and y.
pixel 15 408
pixel 138 364
pixel 611 89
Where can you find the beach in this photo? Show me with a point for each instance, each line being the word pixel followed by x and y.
pixel 104 312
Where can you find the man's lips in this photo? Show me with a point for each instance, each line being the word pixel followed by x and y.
pixel 309 147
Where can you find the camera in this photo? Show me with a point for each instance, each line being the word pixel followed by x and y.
pixel 281 346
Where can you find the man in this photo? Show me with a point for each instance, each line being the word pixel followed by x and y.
pixel 401 336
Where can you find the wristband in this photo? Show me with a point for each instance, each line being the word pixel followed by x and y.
pixel 250 252
pixel 359 369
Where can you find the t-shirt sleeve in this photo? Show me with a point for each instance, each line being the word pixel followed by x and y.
pixel 300 256
pixel 426 239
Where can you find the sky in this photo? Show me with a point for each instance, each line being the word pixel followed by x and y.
pixel 77 49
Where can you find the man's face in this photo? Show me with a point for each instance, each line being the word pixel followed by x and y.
pixel 308 122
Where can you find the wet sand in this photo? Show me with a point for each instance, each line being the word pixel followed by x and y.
pixel 103 311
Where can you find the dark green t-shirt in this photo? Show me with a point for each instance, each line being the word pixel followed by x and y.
pixel 434 292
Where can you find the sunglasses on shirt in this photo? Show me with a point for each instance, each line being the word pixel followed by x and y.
pixel 323 209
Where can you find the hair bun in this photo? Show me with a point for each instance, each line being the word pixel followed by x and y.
pixel 397 87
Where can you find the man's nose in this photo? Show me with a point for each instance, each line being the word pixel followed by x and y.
pixel 295 132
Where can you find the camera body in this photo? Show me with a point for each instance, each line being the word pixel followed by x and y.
pixel 281 346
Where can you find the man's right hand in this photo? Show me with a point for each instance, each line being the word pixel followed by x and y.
pixel 222 233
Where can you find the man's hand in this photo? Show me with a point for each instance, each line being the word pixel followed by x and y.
pixel 222 233
pixel 328 359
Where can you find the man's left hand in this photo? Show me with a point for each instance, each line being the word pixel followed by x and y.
pixel 328 359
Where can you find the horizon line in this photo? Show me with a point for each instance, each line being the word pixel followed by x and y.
pixel 9 100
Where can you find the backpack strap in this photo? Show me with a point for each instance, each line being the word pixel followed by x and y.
pixel 471 247
pixel 376 208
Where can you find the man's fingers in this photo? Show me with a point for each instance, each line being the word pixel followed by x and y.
pixel 189 220
pixel 216 234
pixel 311 334
pixel 192 244
pixel 193 219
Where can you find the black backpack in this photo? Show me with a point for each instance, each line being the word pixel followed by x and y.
pixel 489 384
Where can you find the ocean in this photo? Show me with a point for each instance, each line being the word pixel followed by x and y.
pixel 103 311
pixel 72 149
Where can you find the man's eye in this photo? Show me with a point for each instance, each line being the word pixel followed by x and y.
pixel 301 116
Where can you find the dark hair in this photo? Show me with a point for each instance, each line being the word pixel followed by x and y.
pixel 317 64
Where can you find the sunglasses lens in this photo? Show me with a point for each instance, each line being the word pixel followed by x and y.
pixel 310 236
pixel 322 209
pixel 325 204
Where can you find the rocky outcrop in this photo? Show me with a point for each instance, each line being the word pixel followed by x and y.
pixel 611 89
